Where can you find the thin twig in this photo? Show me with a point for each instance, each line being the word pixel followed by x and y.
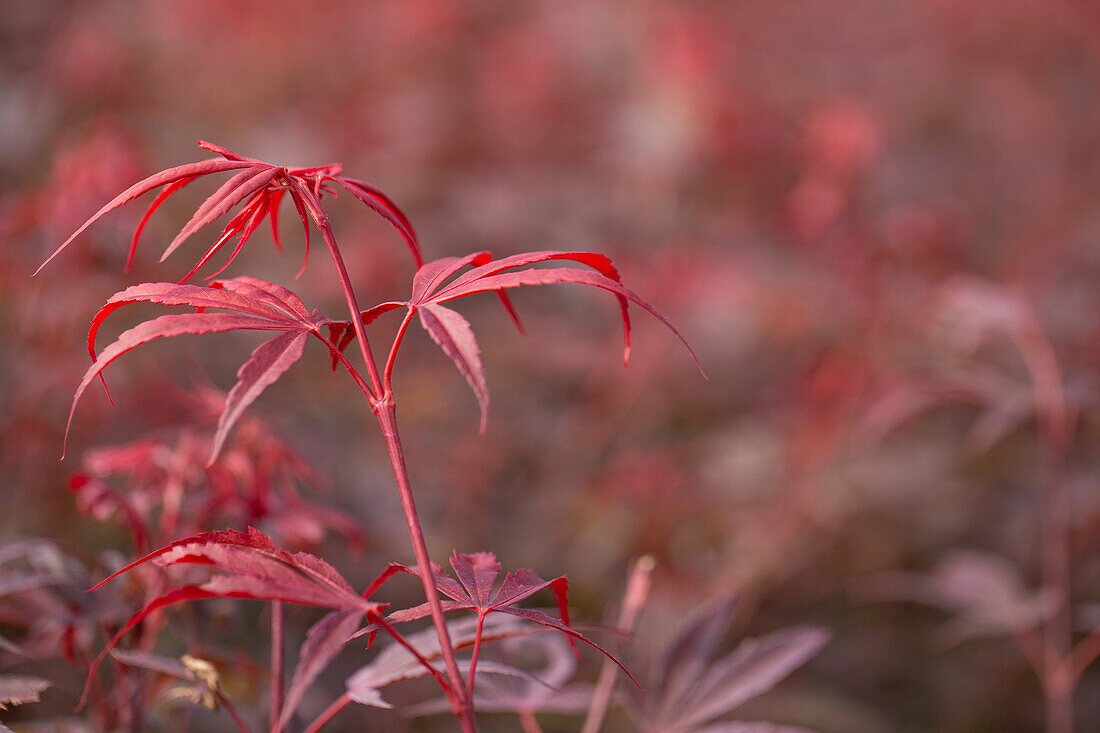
pixel 224 702
pixel 276 663
pixel 637 590
pixel 1055 426
pixel 383 406
pixel 473 658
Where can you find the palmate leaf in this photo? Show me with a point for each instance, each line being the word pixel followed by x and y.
pixel 249 565
pixel 396 663
pixel 544 688
pixel 474 588
pixel 433 285
pixel 691 687
pixel 252 304
pixel 261 187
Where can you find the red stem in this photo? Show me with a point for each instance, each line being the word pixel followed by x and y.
pixel 224 702
pixel 637 590
pixel 387 373
pixel 321 220
pixel 387 418
pixel 383 406
pixel 276 663
pixel 473 659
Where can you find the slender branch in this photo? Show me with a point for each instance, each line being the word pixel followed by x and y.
pixel 276 663
pixel 224 702
pixel 339 355
pixel 382 405
pixel 388 371
pixel 1055 426
pixel 323 225
pixel 637 590
pixel 328 714
pixel 473 658
pixel 387 417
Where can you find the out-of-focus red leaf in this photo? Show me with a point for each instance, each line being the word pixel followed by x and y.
pixel 249 565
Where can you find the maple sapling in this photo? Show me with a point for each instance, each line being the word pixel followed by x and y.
pixel 249 565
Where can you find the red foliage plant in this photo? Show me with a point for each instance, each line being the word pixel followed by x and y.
pixel 250 565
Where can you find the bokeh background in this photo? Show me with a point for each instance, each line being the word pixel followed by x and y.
pixel 875 221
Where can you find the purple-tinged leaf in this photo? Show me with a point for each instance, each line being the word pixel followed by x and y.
pixel 478 572
pixel 545 689
pixel 754 667
pixel 692 688
pixel 168 666
pixel 396 663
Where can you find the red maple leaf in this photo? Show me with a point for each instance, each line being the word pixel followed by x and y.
pixel 261 187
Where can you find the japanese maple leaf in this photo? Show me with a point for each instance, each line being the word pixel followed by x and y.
pixel 433 286
pixel 545 689
pixel 252 304
pixel 690 688
pixel 249 565
pixel 261 187
pixel 396 662
pixel 474 588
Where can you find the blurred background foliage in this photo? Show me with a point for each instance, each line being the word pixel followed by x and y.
pixel 852 210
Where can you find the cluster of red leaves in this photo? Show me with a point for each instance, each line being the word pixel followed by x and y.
pixel 160 489
pixel 261 186
pixel 254 304
pixel 249 565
